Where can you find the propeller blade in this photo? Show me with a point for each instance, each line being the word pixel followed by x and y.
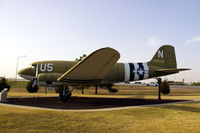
pixel 35 80
pixel 34 83
pixel 36 72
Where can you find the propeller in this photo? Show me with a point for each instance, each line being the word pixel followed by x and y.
pixel 35 80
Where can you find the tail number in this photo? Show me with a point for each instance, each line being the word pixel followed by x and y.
pixel 160 54
pixel 46 67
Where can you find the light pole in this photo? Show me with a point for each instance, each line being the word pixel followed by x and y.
pixel 17 65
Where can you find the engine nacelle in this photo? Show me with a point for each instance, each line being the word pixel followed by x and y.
pixel 49 76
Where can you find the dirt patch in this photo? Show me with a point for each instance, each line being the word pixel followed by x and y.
pixel 84 102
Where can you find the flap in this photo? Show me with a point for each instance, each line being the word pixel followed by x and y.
pixel 93 68
pixel 173 70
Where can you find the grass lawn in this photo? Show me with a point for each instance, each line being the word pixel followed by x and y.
pixel 176 118
pixel 179 118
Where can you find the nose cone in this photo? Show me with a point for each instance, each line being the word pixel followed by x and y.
pixel 27 73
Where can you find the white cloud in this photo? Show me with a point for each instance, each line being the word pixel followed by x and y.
pixel 193 40
pixel 154 41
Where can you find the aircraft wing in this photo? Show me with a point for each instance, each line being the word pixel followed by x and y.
pixel 172 70
pixel 93 68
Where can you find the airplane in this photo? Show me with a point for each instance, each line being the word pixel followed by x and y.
pixel 100 67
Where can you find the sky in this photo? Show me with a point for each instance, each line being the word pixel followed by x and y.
pixel 66 29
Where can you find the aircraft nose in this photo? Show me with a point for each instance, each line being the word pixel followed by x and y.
pixel 23 71
pixel 26 73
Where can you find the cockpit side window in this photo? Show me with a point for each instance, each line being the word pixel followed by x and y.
pixel 33 66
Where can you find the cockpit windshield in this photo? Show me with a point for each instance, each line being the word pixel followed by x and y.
pixel 33 66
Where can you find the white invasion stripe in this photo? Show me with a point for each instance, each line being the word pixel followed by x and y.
pixel 126 72
pixel 135 71
pixel 146 70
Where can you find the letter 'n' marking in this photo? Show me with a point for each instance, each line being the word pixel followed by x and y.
pixel 160 54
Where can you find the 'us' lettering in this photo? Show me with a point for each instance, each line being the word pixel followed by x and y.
pixel 46 67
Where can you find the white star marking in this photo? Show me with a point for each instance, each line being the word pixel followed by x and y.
pixel 140 72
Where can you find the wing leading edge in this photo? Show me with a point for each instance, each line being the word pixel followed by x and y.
pixel 93 68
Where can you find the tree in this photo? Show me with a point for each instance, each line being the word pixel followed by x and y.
pixel 195 84
pixel 81 57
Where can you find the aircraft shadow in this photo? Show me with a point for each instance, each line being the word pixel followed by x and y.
pixel 84 102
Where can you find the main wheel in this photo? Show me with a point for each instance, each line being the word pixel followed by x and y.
pixel 64 95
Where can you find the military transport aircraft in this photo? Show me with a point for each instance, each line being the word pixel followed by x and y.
pixel 99 67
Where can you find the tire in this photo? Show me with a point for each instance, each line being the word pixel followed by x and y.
pixel 66 96
pixel 31 89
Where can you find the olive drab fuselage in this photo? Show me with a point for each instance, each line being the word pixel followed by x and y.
pixel 163 63
pixel 50 71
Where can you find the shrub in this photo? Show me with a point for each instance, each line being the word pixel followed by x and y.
pixel 3 84
pixel 165 89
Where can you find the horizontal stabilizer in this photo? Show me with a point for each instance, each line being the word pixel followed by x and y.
pixel 173 70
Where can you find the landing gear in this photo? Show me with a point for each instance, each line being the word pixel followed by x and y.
pixel 32 88
pixel 159 88
pixel 96 89
pixel 65 94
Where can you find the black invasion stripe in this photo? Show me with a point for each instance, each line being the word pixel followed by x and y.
pixel 132 68
pixel 141 77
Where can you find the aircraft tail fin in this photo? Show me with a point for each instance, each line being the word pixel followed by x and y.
pixel 165 57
